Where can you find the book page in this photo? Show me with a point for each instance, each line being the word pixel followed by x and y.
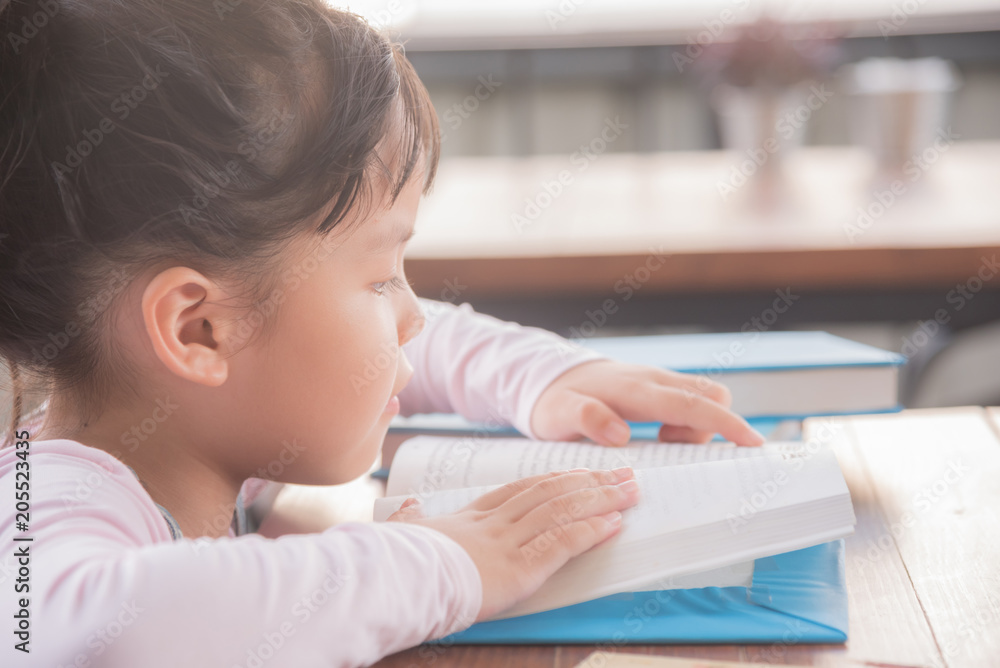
pixel 756 507
pixel 671 497
pixel 734 575
pixel 675 501
pixel 425 464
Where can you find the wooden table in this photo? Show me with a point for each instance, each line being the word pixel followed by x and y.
pixel 651 233
pixel 660 217
pixel 923 567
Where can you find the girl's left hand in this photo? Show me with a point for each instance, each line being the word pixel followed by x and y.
pixel 595 398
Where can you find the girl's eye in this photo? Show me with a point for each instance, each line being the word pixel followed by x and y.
pixel 392 285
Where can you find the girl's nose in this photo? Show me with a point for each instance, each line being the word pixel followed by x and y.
pixel 413 325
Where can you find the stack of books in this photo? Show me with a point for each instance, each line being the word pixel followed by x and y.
pixel 775 378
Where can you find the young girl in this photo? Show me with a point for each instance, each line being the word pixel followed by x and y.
pixel 203 213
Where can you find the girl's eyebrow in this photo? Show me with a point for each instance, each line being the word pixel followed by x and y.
pixel 389 240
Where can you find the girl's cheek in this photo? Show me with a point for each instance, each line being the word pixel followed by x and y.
pixel 378 356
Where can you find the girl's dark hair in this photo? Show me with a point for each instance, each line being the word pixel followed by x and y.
pixel 208 134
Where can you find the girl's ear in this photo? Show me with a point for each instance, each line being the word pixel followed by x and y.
pixel 186 324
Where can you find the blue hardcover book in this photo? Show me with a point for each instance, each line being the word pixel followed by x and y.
pixel 774 374
pixel 795 597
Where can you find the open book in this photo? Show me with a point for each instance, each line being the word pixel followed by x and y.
pixel 705 511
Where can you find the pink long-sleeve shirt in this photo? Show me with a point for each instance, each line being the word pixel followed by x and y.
pixel 109 585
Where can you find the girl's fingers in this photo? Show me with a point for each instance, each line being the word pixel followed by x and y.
pixel 498 496
pixel 684 408
pixel 546 552
pixel 563 511
pixel 673 434
pixel 597 421
pixel 410 510
pixel 588 416
pixel 546 490
pixel 698 384
pixel 702 385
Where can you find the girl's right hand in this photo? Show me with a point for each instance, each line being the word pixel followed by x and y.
pixel 520 534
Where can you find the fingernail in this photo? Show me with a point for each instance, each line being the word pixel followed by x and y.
pixel 629 486
pixel 614 518
pixel 760 436
pixel 623 473
pixel 617 432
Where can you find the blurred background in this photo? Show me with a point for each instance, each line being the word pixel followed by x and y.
pixel 677 166
pixel 638 167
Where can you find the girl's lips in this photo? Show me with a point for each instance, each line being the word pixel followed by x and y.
pixel 392 406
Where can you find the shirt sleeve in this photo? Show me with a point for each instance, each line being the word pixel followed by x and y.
pixel 109 588
pixel 484 368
